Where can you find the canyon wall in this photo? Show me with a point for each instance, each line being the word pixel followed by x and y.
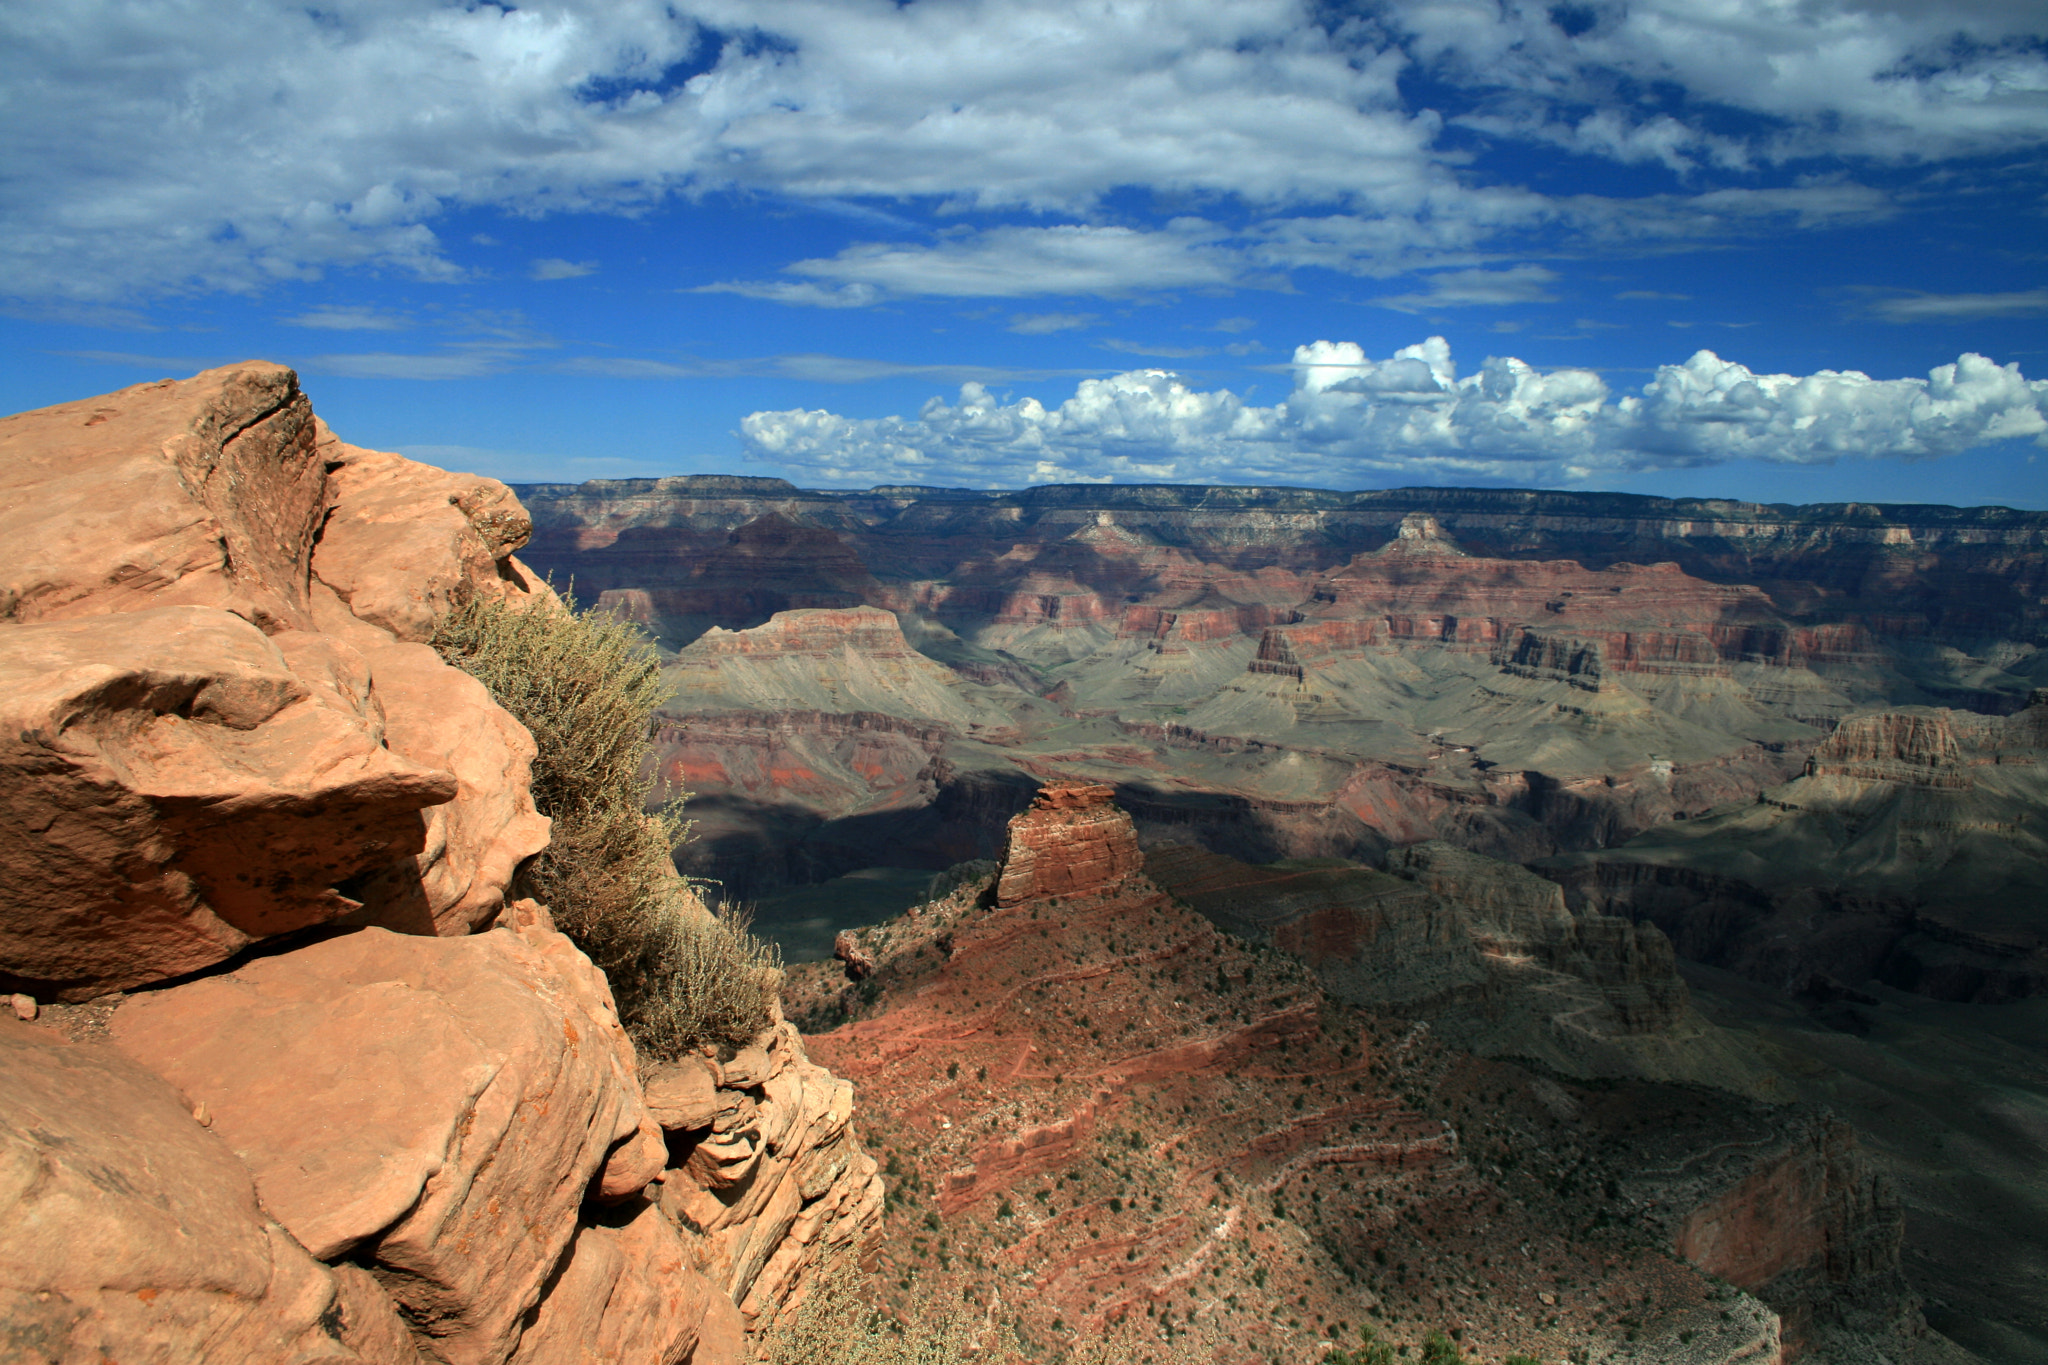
pixel 292 1071
pixel 1909 851
pixel 1522 674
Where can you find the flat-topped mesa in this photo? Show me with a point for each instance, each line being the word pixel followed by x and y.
pixel 1422 534
pixel 812 630
pixel 1073 841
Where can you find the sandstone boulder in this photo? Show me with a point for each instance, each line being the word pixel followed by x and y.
pixel 130 1232
pixel 405 542
pixel 437 1107
pixel 204 491
pixel 773 1181
pixel 626 1293
pixel 441 717
pixel 175 785
pixel 847 947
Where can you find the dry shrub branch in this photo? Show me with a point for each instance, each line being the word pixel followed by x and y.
pixel 586 685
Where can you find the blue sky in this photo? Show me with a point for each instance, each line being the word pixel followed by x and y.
pixel 1753 248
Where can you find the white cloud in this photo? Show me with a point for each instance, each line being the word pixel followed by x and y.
pixel 804 293
pixel 1470 288
pixel 183 145
pixel 1353 420
pixel 1044 324
pixel 1017 262
pixel 555 268
pixel 1153 349
pixel 2029 303
pixel 336 318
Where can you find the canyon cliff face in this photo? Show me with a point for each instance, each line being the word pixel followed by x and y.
pixel 1280 673
pixel 1484 950
pixel 293 1074
pixel 1909 852
pixel 1104 1118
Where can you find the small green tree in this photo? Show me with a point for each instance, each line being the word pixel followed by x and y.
pixel 1438 1349
pixel 1370 1351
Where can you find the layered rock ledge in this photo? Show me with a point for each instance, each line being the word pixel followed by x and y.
pixel 306 1080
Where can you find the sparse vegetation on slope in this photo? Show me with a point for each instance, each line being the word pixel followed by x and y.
pixel 586 684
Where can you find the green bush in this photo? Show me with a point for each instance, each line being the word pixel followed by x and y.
pixel 1438 1349
pixel 586 684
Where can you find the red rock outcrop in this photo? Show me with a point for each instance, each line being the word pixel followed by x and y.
pixel 205 492
pixel 1073 841
pixel 227 739
pixel 128 1231
pixel 196 765
pixel 1917 747
pixel 402 1098
pixel 771 1181
pixel 1104 1120
pixel 1807 1222
pixel 175 785
pixel 403 542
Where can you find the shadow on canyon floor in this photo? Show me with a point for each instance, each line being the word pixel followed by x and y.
pixel 802 920
pixel 1952 1101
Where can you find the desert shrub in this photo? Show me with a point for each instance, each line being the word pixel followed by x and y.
pixel 838 1322
pixel 1438 1349
pixel 586 684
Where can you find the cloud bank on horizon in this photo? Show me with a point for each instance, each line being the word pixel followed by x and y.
pixel 1353 421
pixel 691 192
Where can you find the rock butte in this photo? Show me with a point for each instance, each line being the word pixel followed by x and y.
pixel 1104 1118
pixel 291 1074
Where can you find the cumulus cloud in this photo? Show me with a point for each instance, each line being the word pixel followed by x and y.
pixel 1352 420
pixel 194 146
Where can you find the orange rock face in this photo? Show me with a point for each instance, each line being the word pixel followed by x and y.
pixel 125 1227
pixel 221 724
pixel 205 745
pixel 208 491
pixel 415 1093
pixel 175 785
pixel 1073 841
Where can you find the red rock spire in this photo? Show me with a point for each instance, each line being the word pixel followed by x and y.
pixel 1073 841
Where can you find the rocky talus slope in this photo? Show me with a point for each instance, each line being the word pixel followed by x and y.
pixel 1102 1115
pixel 291 1072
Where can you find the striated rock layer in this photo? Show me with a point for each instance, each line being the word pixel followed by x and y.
pixel 1521 674
pixel 358 1102
pixel 1102 1118
pixel 1910 852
